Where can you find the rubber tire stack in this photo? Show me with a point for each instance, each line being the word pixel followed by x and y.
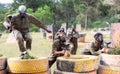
pixel 46 72
pixel 81 37
pixel 77 64
pixel 110 64
pixel 3 65
pixel 28 66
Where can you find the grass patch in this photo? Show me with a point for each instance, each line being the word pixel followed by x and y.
pixel 40 47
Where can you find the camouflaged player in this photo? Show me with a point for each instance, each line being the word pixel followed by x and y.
pixel 58 49
pixel 72 36
pixel 95 47
pixel 20 27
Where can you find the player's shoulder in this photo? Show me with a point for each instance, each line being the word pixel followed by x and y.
pixel 29 14
pixel 92 43
pixel 15 15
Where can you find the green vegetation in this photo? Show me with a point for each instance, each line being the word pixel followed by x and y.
pixel 27 56
pixel 115 51
pixel 88 13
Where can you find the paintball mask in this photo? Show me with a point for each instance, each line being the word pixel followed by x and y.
pixel 9 17
pixel 62 39
pixel 22 10
pixel 99 37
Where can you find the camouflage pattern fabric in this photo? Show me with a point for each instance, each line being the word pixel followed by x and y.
pixel 92 49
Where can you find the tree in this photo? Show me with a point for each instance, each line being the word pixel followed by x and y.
pixel 86 9
pixel 44 14
pixel 33 4
pixel 115 8
pixel 89 13
pixel 114 3
pixel 64 11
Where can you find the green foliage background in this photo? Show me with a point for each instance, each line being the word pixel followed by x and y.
pixel 88 13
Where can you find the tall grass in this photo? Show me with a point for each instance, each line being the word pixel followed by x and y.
pixel 40 47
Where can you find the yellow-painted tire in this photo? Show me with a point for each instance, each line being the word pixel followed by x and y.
pixel 3 71
pixel 46 72
pixel 62 72
pixel 78 63
pixel 108 70
pixel 3 62
pixel 110 60
pixel 17 65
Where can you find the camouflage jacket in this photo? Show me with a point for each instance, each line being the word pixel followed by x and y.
pixel 74 37
pixel 57 46
pixel 23 24
pixel 92 48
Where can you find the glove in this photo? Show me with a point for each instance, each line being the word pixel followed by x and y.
pixel 67 53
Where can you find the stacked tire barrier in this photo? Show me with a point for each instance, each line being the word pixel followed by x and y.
pixel 3 65
pixel 81 37
pixel 28 66
pixel 77 64
pixel 47 72
pixel 110 64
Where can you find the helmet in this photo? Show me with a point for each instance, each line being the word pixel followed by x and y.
pixel 99 37
pixel 22 9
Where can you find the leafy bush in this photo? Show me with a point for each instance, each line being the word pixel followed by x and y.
pixel 27 56
pixel 44 14
pixel 29 10
pixel 98 24
pixel 115 51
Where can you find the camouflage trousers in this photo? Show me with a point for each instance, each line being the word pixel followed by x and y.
pixel 21 37
pixel 53 58
pixel 74 49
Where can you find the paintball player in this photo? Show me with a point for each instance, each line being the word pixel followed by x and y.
pixel 20 27
pixel 68 44
pixel 59 48
pixel 95 47
pixel 72 36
